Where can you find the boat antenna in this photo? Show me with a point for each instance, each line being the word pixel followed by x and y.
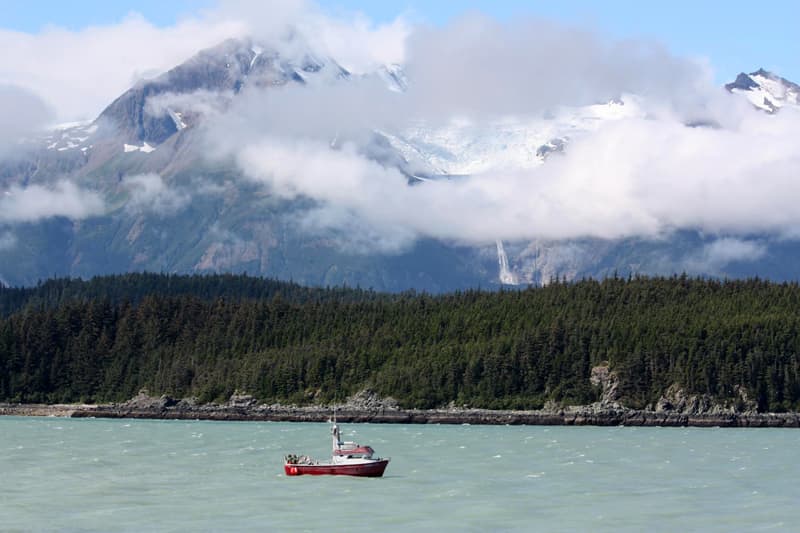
pixel 337 441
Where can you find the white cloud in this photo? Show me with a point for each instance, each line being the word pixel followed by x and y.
pixel 645 176
pixel 632 177
pixel 23 114
pixel 149 193
pixel 295 27
pixel 203 102
pixel 36 202
pixel 635 177
pixel 7 241
pixel 78 73
pixel 475 69
pixel 713 257
pixel 477 66
pixel 358 44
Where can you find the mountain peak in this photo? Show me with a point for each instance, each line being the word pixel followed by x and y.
pixel 743 82
pixel 765 90
pixel 764 74
pixel 223 69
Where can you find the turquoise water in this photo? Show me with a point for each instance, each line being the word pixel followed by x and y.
pixel 142 475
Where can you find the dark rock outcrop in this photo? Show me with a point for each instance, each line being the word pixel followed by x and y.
pixel 742 82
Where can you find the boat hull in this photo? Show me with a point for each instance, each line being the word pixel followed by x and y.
pixel 370 469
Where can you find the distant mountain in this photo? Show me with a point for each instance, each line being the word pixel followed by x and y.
pixel 170 209
pixel 766 90
pixel 158 112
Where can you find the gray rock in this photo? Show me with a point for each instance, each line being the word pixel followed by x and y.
pixel 369 400
pixel 143 400
pixel 609 382
pixel 239 399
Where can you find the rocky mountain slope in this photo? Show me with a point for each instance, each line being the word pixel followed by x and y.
pixel 167 207
pixel 766 90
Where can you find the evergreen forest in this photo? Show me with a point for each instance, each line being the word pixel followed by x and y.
pixel 104 339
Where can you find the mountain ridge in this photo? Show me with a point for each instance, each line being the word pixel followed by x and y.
pixel 170 209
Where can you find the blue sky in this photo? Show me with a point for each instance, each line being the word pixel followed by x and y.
pixel 734 35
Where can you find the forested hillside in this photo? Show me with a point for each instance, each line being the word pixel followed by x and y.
pixel 210 336
pixel 133 287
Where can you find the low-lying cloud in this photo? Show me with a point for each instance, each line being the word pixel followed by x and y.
pixel 7 241
pixel 632 177
pixel 150 194
pixel 202 102
pixel 645 175
pixel 37 202
pixel 24 114
pixel 715 256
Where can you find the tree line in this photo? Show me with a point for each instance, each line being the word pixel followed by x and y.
pixel 208 336
pixel 133 287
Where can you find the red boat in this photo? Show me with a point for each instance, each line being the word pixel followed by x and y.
pixel 347 459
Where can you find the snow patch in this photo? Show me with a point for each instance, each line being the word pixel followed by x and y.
pixel 177 118
pixel 69 135
pixel 146 148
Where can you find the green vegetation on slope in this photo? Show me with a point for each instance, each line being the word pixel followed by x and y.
pixel 133 287
pixel 208 336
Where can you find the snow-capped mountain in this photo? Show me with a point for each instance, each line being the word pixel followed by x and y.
pixel 766 90
pixel 153 111
pixel 170 209
pixel 462 148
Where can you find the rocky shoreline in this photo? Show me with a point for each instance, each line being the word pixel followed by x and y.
pixel 675 408
pixel 243 408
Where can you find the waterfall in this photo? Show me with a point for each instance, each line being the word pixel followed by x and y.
pixel 506 276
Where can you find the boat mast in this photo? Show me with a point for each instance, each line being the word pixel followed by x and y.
pixel 337 442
